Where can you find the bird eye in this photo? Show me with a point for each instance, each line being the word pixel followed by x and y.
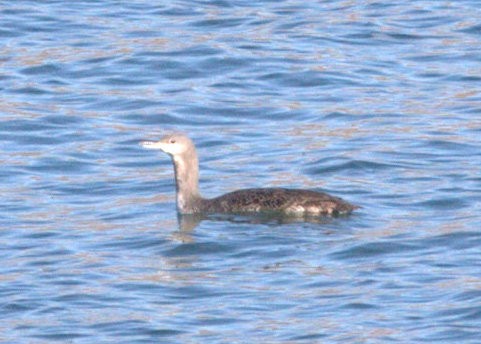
pixel 172 141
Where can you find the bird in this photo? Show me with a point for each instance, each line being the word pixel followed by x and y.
pixel 285 201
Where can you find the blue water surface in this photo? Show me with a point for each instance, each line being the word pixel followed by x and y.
pixel 376 102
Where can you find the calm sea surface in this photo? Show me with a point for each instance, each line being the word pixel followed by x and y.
pixel 378 102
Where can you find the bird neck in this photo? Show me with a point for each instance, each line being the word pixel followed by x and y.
pixel 186 168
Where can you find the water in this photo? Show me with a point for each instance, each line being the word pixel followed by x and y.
pixel 376 102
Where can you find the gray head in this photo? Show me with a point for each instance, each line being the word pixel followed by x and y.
pixel 186 167
pixel 172 144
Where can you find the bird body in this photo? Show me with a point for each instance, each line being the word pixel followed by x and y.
pixel 288 201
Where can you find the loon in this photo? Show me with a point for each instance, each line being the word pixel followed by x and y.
pixel 284 201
